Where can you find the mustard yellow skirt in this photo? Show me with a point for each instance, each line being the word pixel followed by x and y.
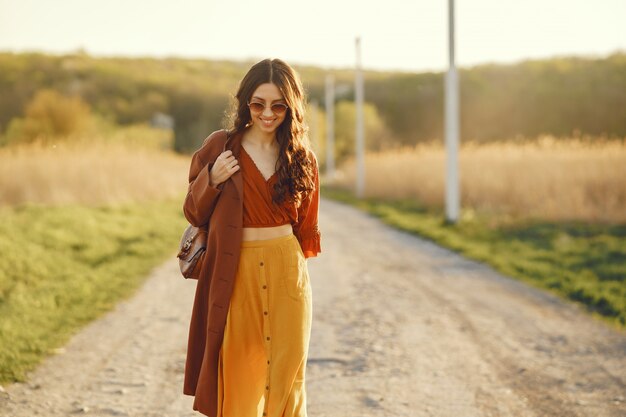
pixel 263 357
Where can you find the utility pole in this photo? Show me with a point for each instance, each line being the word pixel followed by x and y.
pixel 330 127
pixel 360 154
pixel 314 125
pixel 452 126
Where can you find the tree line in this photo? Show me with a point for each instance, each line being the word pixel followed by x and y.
pixel 552 96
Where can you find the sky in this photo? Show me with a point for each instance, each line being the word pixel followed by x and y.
pixel 398 35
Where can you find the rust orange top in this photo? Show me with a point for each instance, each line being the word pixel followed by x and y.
pixel 260 211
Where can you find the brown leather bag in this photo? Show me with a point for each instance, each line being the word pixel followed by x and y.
pixel 193 244
pixel 192 251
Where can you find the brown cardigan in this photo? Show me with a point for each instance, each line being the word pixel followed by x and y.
pixel 222 208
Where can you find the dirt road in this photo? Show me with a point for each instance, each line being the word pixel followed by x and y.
pixel 401 327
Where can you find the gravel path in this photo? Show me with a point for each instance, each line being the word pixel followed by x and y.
pixel 401 327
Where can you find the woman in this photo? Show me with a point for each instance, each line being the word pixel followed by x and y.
pixel 262 358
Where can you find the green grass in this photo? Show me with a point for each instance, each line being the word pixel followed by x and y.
pixel 62 267
pixel 585 263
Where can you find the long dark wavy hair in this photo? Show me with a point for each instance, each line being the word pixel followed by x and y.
pixel 295 164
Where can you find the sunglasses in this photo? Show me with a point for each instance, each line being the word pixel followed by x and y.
pixel 278 108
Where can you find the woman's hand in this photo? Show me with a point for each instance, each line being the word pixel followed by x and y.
pixel 224 166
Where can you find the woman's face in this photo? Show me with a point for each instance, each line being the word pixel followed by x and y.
pixel 266 120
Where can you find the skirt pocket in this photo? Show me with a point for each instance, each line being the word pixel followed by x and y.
pixel 239 294
pixel 296 279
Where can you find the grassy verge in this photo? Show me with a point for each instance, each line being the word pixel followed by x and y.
pixel 585 263
pixel 61 267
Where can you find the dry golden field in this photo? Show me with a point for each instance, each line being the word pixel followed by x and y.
pixel 547 178
pixel 89 172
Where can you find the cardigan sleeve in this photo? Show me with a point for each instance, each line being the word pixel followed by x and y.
pixel 306 229
pixel 201 196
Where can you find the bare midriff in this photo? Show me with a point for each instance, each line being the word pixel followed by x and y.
pixel 262 233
